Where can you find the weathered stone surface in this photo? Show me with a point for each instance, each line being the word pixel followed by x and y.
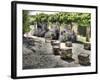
pixel 48 40
pixel 55 43
pixel 68 44
pixel 87 46
pixel 48 37
pixel 52 42
pixel 73 37
pixel 56 47
pixel 41 55
pixel 28 41
pixel 56 50
pixel 63 37
pixel 84 59
pixel 41 58
pixel 66 53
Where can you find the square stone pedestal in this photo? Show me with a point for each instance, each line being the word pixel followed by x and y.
pixel 66 53
pixel 68 44
pixel 84 59
pixel 56 50
pixel 87 45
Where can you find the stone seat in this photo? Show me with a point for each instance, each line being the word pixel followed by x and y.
pixel 55 43
pixel 66 53
pixel 68 44
pixel 87 45
pixel 56 50
pixel 84 59
pixel 48 40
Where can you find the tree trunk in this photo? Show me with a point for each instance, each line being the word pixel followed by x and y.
pixel 88 30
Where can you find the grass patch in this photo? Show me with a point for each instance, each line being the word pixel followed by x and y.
pixel 81 39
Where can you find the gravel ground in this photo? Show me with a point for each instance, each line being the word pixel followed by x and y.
pixel 38 54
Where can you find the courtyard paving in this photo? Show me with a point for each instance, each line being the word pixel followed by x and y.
pixel 38 54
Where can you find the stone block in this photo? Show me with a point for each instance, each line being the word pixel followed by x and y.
pixel 56 50
pixel 84 59
pixel 87 46
pixel 66 53
pixel 68 44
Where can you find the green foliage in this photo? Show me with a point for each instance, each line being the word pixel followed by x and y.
pixel 26 23
pixel 63 17
pixel 83 19
pixel 41 17
pixel 52 18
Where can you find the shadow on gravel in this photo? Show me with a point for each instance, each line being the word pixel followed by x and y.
pixel 68 60
pixel 79 42
pixel 88 64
